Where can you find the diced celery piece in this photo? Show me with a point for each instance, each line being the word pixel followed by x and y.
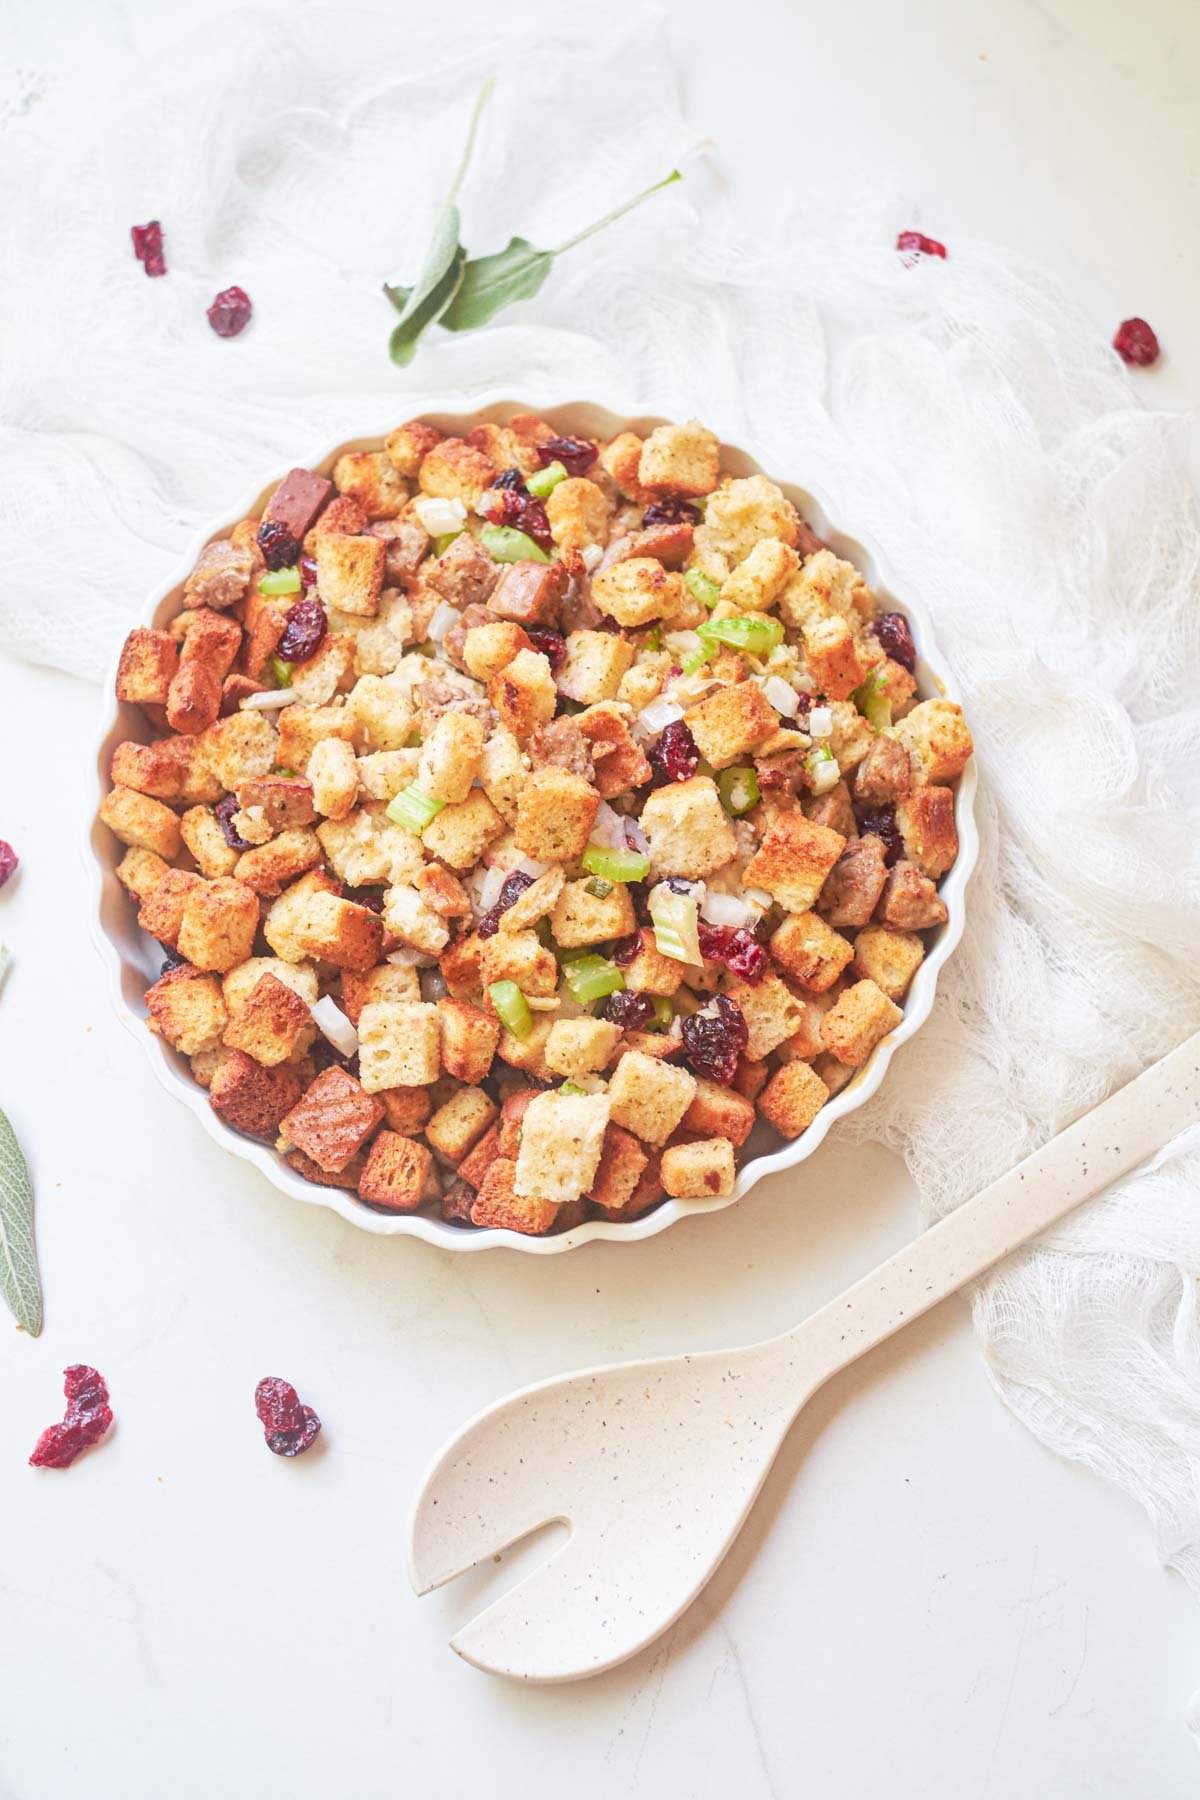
pixel 592 977
pixel 615 865
pixel 664 1012
pixel 444 541
pixel 696 659
pixel 413 809
pixel 823 770
pixel 675 918
pixel 282 672
pixel 544 481
pixel 739 790
pixel 702 587
pixel 598 888
pixel 873 702
pixel 572 1087
pixel 756 635
pixel 279 581
pixel 505 544
pixel 652 639
pixel 512 1008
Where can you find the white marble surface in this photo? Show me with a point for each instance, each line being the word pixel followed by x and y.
pixel 925 1603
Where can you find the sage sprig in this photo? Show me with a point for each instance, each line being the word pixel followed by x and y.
pixel 18 1258
pixel 464 292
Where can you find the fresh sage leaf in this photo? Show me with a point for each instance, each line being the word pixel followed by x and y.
pixel 18 1258
pixel 490 283
pixel 445 260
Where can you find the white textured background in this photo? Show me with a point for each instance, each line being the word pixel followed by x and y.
pixel 925 1604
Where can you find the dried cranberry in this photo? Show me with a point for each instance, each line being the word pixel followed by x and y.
pixel 148 247
pixel 915 243
pixel 714 1039
pixel 513 888
pixel 575 454
pixel 1137 343
pixel 172 959
pixel 303 632
pixel 674 756
pixel 289 1427
pixel 880 822
pixel 308 573
pixel 511 478
pixel 371 898
pixel 225 810
pixel 87 1418
pixel 626 948
pixel 524 513
pixel 736 947
pixel 892 630
pixel 552 644
pixel 230 312
pixel 9 862
pixel 672 511
pixel 280 549
pixel 628 1010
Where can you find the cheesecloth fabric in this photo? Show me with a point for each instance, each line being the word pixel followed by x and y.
pixel 965 413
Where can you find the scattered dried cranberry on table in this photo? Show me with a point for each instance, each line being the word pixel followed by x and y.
pixel 10 862
pixel 148 247
pixel 230 312
pixel 87 1418
pixel 915 244
pixel 289 1427
pixel 1136 343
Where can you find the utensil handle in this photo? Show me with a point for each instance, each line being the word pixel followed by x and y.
pixel 1106 1143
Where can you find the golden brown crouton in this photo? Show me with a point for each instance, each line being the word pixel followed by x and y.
pixel 595 664
pixel 343 517
pixel 301 729
pixel 937 739
pixel 792 1099
pixel 555 813
pixel 272 866
pixel 339 931
pixel 490 647
pixel 459 966
pixel 926 821
pixel 637 591
pixel 251 1098
pixel 749 1079
pixel 410 919
pixel 825 586
pixel 581 1046
pixel 699 1170
pixel 149 660
pixel 455 470
pixel 620 459
pixel 333 778
pixel 384 773
pixel 210 643
pixel 688 829
pixel 161 912
pixel 719 1112
pixel 529 593
pixel 329 671
pixel 582 917
pixel 758 580
pixel 240 747
pixel 730 722
pixel 474 1166
pixel 332 1120
pixel 350 573
pixel 833 659
pixel 738 516
pixel 528 1053
pixel 239 984
pixel 771 1011
pixel 793 861
pixel 649 971
pixel 503 773
pixel 499 1205
pixel 680 459
pixel 623 1162
pixel 140 871
pixel 220 919
pixel 272 1024
pixel 884 772
pixel 145 824
pixel 854 884
pixel 395 1174
pixel 578 512
pixel 561 1138
pixel 185 1007
pixel 521 957
pixel 371 478
pixel 649 1096
pixel 888 958
pixel 406 1110
pixel 808 950
pixel 284 915
pixel 619 761
pixel 460 834
pixel 382 713
pixel 347 1178
pixel 409 445
pixel 388 981
pixel 171 769
pixel 399 1045
pixel 523 693
pixel 366 847
pixel 459 1123
pixel 855 1024
pixel 909 901
pixel 469 1039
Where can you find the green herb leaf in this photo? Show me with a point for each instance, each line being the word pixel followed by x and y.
pixel 445 261
pixel 517 272
pixel 18 1258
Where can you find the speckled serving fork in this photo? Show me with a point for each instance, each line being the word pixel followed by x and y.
pixel 654 1465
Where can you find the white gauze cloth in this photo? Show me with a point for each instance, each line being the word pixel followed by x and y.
pixel 965 413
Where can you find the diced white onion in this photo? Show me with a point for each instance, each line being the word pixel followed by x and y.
pixel 592 556
pixel 328 1015
pixel 782 696
pixel 529 865
pixel 820 721
pixel 658 715
pixel 439 516
pixel 407 957
pixel 825 773
pixel 270 700
pixel 433 985
pixel 682 643
pixel 608 830
pixel 729 909
pixel 636 838
pixel 445 618
pixel 759 897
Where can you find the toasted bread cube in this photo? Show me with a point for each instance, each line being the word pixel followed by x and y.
pixel 207 842
pixel 451 756
pixel 529 593
pixel 884 772
pixel 272 1024
pixel 280 926
pixel 443 892
pixel 490 647
pixel 771 1011
pixel 750 1078
pixel 518 956
pixel 499 1205
pixel 688 829
pixel 738 515
pixel 459 965
pixel 409 445
pixel 469 1039
pixel 140 871
pixel 936 737
pixel 205 1063
pixel 383 773
pixel 475 1164
pixel 409 918
pixel 366 848
pixel 620 459
pixel 719 1112
pixel 792 1099
pixel 833 659
pixel 240 747
pixel 396 1172
pixel 347 1178
pixel 406 1110
pixel 523 693
pixel 680 459
pixel 888 958
pixel 398 1045
pixel 301 729
pixel 561 1137
pixel 730 722
pixel 350 573
pixel 339 931
pixel 332 1120
pixel 503 772
pixel 272 866
pixel 512 1117
pixel 594 666
pixel 851 738
pixel 383 713
pixel 854 1025
pixel 536 903
pixel 581 918
pixel 698 1171
pixel 581 1046
pixel 328 671
pixel 370 477
pixel 464 574
pixel 456 470
pixel 220 919
pixel 649 1096
pixel 759 579
pixel 555 814
pixel 459 1123
pixel 810 951
pixel 909 901
pixel 333 775
pixel 171 769
pixel 622 1165
pixel 528 1053
pixel 825 587
pixel 149 661
pixel 637 591
pixel 386 982
pixel 144 824
pixel 460 834
pixel 161 912
pixel 649 971
pixel 210 643
pixel 185 1007
pixel 252 1098
pixel 793 860
pixel 926 821
pixel 620 762
pixel 579 513
pixel 854 884
pixel 239 984
pixel 378 646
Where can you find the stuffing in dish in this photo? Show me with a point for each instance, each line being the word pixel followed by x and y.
pixel 525 818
